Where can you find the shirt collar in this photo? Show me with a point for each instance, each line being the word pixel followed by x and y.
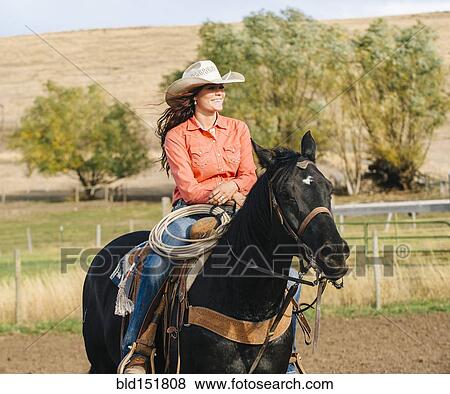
pixel 221 122
pixel 193 124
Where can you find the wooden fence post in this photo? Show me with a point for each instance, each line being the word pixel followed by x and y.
pixel 61 234
pixel 396 226
pixel 341 222
pixel 442 189
pixel 388 222
pixel 125 194
pixel 18 281
pixel 413 215
pixel 376 271
pixel 448 184
pixel 106 193
pixel 165 203
pixel 77 194
pixel 131 225
pixel 98 235
pixel 29 240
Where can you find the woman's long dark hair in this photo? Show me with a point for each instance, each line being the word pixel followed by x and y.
pixel 182 109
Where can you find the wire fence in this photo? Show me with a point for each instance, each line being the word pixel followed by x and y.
pixel 121 193
pixel 421 251
pixel 124 193
pixel 41 246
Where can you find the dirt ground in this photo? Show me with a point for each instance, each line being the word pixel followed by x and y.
pixel 404 344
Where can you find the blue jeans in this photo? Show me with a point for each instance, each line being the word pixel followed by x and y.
pixel 154 272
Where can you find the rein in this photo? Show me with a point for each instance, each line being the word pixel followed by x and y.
pixel 320 280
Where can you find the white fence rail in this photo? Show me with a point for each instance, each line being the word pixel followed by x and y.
pixel 377 208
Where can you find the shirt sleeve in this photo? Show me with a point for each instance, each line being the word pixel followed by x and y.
pixel 246 173
pixel 179 161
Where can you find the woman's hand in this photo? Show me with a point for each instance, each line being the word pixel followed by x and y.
pixel 223 193
pixel 239 198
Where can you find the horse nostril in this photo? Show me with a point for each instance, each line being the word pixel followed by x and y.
pixel 331 250
pixel 326 251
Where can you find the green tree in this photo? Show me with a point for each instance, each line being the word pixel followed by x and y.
pixel 289 60
pixel 76 130
pixel 349 138
pixel 402 99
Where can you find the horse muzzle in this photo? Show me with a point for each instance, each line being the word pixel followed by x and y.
pixel 332 260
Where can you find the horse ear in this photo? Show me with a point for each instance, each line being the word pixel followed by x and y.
pixel 266 157
pixel 308 146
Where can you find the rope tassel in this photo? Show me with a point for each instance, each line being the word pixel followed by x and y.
pixel 124 305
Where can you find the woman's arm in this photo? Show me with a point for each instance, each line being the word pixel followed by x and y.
pixel 239 198
pixel 180 166
pixel 246 173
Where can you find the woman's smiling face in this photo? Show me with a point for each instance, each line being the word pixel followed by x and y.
pixel 210 98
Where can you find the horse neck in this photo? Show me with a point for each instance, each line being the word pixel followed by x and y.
pixel 254 234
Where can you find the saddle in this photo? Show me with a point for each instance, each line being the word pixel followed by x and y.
pixel 170 301
pixel 170 311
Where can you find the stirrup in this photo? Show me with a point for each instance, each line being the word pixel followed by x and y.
pixel 295 359
pixel 126 359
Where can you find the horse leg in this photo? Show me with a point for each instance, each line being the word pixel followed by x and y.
pixel 101 327
pixel 96 350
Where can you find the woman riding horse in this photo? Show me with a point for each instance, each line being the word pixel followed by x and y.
pixel 210 159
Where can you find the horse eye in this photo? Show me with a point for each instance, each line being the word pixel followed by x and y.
pixel 287 196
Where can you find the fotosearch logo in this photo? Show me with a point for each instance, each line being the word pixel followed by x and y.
pixel 226 263
pixel 386 260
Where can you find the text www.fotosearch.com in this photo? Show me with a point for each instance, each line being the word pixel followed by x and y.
pixel 245 384
pixel 221 384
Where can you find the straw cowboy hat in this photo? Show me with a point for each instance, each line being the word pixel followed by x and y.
pixel 200 73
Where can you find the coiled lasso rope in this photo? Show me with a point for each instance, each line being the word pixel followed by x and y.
pixel 194 247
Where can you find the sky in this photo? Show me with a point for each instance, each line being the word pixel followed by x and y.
pixel 61 15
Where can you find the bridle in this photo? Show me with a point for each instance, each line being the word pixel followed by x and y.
pixel 298 233
pixel 273 203
pixel 307 254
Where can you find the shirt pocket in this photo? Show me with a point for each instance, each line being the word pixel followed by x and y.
pixel 200 156
pixel 232 154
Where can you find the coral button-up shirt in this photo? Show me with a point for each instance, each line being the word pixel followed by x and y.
pixel 200 160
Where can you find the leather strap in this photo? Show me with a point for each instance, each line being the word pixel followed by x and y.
pixel 296 359
pixel 284 307
pixel 242 331
pixel 284 222
pixel 146 342
pixel 310 217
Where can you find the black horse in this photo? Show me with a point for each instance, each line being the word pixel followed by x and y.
pixel 258 237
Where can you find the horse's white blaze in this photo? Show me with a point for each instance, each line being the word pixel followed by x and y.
pixel 308 180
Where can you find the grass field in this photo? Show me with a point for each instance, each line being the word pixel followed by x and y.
pixel 50 295
pixel 61 225
pixel 78 223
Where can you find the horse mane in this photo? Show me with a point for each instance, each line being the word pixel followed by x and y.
pixel 285 155
pixel 256 209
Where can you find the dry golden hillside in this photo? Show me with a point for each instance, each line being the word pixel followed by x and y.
pixel 129 63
